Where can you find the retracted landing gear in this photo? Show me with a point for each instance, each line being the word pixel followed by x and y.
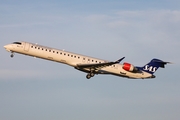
pixel 89 75
pixel 12 55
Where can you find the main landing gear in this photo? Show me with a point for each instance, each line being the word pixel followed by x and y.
pixel 89 75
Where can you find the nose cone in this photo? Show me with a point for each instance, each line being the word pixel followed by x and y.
pixel 8 47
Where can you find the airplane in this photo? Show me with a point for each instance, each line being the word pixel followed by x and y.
pixel 90 65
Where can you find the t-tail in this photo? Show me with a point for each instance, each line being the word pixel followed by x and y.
pixel 153 66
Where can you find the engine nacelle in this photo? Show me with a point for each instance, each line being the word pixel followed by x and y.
pixel 129 67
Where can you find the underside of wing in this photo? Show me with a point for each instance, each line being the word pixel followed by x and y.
pixel 97 66
pixel 94 66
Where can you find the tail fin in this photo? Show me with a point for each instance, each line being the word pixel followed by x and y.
pixel 153 65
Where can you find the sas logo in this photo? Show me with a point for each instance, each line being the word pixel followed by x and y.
pixel 150 68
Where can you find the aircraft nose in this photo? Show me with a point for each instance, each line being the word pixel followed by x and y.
pixel 8 47
pixel 5 46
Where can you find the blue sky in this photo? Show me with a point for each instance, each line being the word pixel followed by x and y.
pixel 139 30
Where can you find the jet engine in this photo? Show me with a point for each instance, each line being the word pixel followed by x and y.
pixel 129 67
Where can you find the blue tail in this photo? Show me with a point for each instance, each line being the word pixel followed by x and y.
pixel 153 65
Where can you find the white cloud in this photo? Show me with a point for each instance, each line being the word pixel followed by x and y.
pixel 97 17
pixel 137 18
pixel 151 31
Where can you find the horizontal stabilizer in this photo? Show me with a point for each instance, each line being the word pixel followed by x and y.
pixel 160 62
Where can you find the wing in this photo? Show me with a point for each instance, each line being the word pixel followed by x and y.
pixel 98 65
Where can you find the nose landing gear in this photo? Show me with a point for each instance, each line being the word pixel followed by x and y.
pixel 12 55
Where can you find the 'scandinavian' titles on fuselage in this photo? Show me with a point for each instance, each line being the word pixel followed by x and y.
pixel 87 64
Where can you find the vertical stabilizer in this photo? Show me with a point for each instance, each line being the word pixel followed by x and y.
pixel 153 65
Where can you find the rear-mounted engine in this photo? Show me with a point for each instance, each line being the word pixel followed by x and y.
pixel 129 67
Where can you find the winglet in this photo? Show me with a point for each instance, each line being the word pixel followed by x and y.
pixel 118 61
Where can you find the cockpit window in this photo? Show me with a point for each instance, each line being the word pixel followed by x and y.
pixel 17 43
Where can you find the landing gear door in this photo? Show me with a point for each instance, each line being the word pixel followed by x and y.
pixel 26 47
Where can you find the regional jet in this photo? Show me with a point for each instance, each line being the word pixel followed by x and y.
pixel 90 65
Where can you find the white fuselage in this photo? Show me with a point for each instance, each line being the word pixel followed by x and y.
pixel 71 59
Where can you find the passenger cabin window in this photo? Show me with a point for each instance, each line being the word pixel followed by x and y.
pixel 17 43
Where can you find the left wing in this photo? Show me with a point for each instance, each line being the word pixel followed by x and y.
pixel 98 65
